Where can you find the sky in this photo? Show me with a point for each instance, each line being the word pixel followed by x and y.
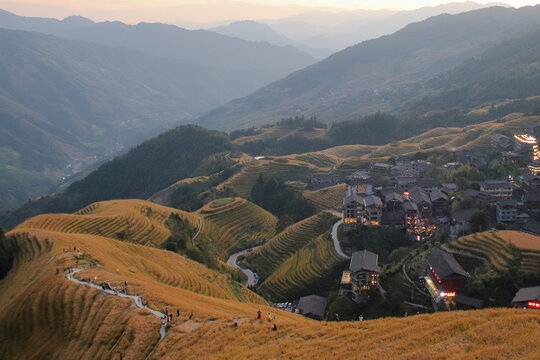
pixel 201 11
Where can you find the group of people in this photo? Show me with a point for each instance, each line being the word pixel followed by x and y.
pixel 169 316
pixel 269 319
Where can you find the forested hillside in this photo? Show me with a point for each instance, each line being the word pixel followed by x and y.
pixel 378 75
pixel 62 100
pixel 146 169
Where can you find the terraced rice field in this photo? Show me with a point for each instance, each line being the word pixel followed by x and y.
pixel 45 316
pixel 330 198
pixel 236 225
pixel 305 266
pixel 266 259
pixel 496 248
pixel 319 159
pixel 137 221
pixel 243 182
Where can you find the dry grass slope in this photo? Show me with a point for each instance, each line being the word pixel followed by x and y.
pixel 496 248
pixel 330 198
pixel 308 264
pixel 137 221
pixel 243 182
pixel 45 316
pixel 236 225
pixel 266 259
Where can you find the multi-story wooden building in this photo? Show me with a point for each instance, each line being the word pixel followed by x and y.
pixel 362 276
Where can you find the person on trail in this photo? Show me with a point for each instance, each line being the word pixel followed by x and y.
pixel 360 318
pixel 166 311
pixel 275 315
pixel 191 315
pixel 274 328
pixel 269 317
pixel 235 322
pixel 405 315
pixel 337 316
pixel 177 313
pixel 259 312
pixel 170 317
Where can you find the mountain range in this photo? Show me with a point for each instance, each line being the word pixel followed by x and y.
pixel 66 102
pixel 357 80
pixel 261 61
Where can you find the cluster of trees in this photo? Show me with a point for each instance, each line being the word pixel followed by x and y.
pixel 301 122
pixel 181 233
pixel 382 241
pixel 192 196
pixel 8 250
pixel 280 199
pixel 143 171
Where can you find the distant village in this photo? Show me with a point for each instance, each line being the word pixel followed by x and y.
pixel 402 196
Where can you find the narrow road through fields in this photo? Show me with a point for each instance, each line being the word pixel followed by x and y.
pixel 232 262
pixel 337 246
pixel 135 298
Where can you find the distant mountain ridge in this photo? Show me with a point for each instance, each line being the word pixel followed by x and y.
pixel 263 62
pixel 255 31
pixel 338 30
pixel 354 81
pixel 64 99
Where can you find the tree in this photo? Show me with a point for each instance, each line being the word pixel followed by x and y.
pixel 343 306
pixel 501 226
pixel 480 221
pixel 284 221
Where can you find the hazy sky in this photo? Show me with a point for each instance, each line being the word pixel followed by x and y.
pixel 203 10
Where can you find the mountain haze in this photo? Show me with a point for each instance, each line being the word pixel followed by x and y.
pixel 353 82
pixel 62 100
pixel 255 31
pixel 260 63
pixel 338 30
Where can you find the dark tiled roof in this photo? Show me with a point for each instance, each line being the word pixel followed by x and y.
pixel 392 196
pixel 446 267
pixel 532 226
pixel 418 196
pixel 469 301
pixel 410 206
pixel 365 260
pixel 507 202
pixel 532 197
pixel 527 294
pixel 438 194
pixel 372 200
pixel 312 305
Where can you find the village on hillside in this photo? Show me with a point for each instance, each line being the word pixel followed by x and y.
pixel 458 233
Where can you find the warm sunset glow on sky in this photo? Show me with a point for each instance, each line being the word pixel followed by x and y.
pixel 203 10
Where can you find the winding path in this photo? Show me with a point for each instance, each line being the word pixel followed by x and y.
pixel 232 262
pixel 135 298
pixel 337 246
pixel 198 231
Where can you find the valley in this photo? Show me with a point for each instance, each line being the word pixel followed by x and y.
pixel 238 193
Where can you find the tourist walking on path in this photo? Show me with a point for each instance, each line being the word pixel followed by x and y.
pixel 259 312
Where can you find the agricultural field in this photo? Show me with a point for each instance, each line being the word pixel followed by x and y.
pixel 330 198
pixel 164 196
pixel 496 248
pixel 269 257
pixel 67 320
pixel 136 221
pixel 236 225
pixel 302 270
pixel 242 183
